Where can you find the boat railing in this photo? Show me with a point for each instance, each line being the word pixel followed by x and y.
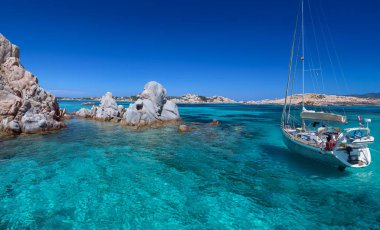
pixel 310 143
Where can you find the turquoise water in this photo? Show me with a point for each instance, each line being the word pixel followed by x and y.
pixel 235 176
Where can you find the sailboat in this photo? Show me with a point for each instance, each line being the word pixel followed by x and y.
pixel 319 135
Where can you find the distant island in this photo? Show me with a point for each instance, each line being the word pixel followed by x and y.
pixel 185 99
pixel 366 95
pixel 311 99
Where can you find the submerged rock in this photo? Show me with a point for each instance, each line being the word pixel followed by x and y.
pixel 24 106
pixel 215 122
pixel 108 110
pixel 184 128
pixel 152 107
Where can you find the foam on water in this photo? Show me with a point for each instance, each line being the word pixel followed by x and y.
pixel 237 175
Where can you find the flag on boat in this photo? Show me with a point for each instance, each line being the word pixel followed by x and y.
pixel 360 121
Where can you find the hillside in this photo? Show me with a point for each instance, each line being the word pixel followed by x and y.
pixel 319 100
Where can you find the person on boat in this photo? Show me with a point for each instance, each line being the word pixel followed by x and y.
pixel 330 144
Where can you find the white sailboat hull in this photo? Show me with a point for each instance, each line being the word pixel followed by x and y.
pixel 332 158
pixel 311 152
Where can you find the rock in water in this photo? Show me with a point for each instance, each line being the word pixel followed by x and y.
pixel 83 112
pixel 215 122
pixel 184 128
pixel 151 107
pixel 24 106
pixel 108 110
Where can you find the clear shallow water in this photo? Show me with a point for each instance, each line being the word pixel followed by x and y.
pixel 237 175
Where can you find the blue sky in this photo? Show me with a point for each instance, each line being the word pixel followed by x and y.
pixel 238 49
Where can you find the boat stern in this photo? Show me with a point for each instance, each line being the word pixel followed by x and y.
pixel 355 157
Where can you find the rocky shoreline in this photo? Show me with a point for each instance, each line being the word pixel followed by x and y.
pixel 25 107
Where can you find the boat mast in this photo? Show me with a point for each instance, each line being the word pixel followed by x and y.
pixel 284 115
pixel 303 62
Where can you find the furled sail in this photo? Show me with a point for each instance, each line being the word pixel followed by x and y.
pixel 322 116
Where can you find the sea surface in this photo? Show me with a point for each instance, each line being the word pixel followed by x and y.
pixel 239 175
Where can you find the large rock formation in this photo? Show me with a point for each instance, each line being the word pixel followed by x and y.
pixel 24 106
pixel 152 107
pixel 108 110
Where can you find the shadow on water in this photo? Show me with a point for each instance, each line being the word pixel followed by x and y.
pixel 301 164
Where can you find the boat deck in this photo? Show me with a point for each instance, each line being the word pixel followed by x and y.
pixel 290 132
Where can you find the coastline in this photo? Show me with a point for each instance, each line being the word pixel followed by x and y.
pixel 310 100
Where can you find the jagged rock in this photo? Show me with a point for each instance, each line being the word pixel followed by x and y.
pixel 108 110
pixel 151 107
pixel 24 106
pixel 107 101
